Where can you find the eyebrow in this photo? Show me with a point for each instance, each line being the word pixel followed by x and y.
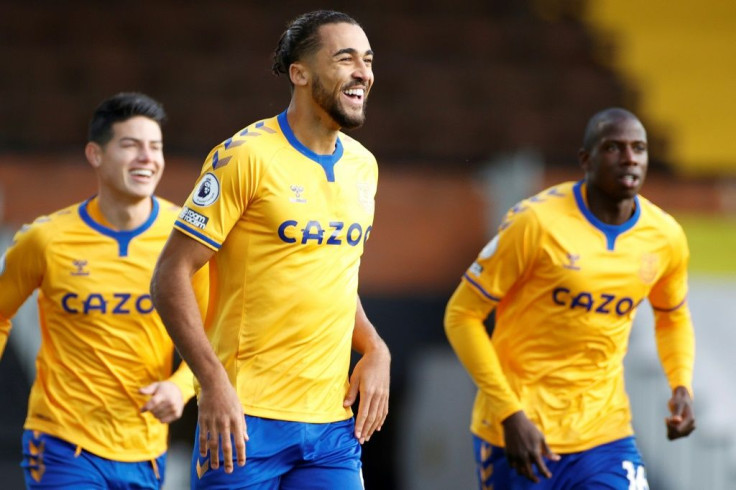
pixel 351 51
pixel 138 140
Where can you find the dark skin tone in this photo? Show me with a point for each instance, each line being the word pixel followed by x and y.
pixel 615 164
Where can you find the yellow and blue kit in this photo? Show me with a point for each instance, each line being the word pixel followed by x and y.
pixel 565 288
pixel 101 340
pixel 289 227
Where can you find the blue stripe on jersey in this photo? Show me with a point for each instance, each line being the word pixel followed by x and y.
pixel 194 232
pixel 327 162
pixel 122 237
pixel 480 288
pixel 670 309
pixel 610 231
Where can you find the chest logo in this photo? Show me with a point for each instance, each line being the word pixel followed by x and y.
pixel 79 268
pixel 297 190
pixel 365 196
pixel 572 262
pixel 648 268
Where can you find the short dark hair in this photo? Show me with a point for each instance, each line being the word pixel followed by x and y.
pixel 600 121
pixel 121 107
pixel 300 37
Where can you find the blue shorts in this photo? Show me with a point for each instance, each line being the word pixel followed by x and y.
pixel 616 465
pixel 52 463
pixel 287 456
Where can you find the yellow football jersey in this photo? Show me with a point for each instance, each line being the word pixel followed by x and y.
pixel 289 228
pixel 566 287
pixel 101 340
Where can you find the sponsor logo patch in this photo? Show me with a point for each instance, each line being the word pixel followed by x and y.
pixel 476 269
pixel 207 191
pixel 193 218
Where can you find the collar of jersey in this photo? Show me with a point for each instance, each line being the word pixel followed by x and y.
pixel 610 231
pixel 327 162
pixel 123 237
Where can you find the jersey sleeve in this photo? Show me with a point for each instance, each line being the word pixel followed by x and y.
pixel 673 324
pixel 501 263
pixel 468 337
pixel 22 268
pixel 225 187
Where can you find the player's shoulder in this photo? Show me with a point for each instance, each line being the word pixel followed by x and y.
pixel 658 218
pixel 168 211
pixel 254 144
pixel 544 207
pixel 48 226
pixel 354 146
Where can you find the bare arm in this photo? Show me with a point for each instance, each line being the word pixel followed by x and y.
pixel 371 377
pixel 220 410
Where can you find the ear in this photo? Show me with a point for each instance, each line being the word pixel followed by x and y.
pixel 584 159
pixel 93 152
pixel 298 74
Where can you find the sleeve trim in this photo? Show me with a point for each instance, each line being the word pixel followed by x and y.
pixel 480 289
pixel 665 310
pixel 190 231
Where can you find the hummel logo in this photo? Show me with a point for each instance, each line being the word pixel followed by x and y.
pixel 297 190
pixel 80 265
pixel 572 258
pixel 202 468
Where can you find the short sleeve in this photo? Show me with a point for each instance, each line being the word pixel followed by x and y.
pixel 221 195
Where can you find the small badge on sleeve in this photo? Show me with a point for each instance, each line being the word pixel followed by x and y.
pixel 207 191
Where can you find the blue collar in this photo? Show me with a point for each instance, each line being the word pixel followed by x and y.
pixel 122 237
pixel 610 231
pixel 327 162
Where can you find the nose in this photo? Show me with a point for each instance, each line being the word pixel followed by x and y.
pixel 145 154
pixel 630 156
pixel 363 72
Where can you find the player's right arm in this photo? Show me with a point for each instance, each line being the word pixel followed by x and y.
pixel 22 268
pixel 504 261
pixel 220 411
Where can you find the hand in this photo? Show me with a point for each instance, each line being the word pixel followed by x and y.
pixel 220 419
pixel 166 402
pixel 682 420
pixel 371 377
pixel 525 447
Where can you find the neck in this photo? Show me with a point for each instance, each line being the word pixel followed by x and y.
pixel 313 127
pixel 124 215
pixel 609 211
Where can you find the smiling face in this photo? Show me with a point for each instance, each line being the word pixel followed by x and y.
pixel 129 166
pixel 616 163
pixel 342 74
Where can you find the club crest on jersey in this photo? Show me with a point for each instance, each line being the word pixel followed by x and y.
pixel 297 190
pixel 79 268
pixel 365 196
pixel 648 269
pixel 207 191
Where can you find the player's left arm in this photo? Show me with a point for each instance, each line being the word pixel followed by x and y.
pixel 371 377
pixel 676 339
